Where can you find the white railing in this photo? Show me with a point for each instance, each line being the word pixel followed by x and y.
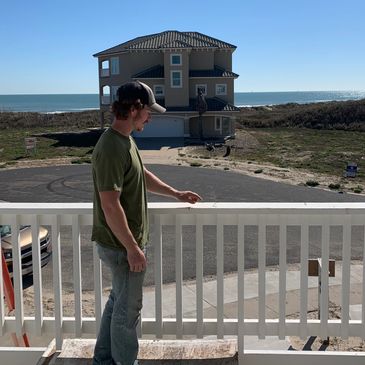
pixel 239 215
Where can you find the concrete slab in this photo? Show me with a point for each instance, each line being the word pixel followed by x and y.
pixel 186 352
pixel 356 312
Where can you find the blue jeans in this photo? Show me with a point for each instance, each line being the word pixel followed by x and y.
pixel 117 342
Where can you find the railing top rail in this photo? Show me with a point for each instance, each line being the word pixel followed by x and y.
pixel 199 208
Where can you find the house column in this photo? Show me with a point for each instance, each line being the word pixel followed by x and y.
pixel 102 116
pixel 187 126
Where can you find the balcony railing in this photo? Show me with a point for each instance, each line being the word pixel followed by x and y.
pixel 249 222
pixel 105 99
pixel 104 72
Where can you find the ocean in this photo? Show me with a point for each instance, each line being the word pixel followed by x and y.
pixel 57 103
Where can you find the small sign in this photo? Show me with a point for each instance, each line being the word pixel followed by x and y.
pixel 30 143
pixel 314 266
pixel 351 169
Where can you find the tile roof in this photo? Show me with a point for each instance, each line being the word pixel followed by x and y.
pixel 151 73
pixel 214 105
pixel 158 72
pixel 216 72
pixel 168 39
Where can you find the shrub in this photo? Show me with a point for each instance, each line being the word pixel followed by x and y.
pixel 312 183
pixel 195 164
pixel 358 189
pixel 334 186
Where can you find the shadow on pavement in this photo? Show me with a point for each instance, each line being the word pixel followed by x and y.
pixel 74 139
pixel 158 143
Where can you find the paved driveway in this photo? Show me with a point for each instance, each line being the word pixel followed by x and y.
pixel 73 183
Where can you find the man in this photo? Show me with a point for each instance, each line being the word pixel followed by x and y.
pixel 120 227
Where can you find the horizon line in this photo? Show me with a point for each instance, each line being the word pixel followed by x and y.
pixel 238 91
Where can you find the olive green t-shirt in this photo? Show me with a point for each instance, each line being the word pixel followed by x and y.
pixel 117 166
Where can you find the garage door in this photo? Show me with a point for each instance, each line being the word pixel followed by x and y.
pixel 163 127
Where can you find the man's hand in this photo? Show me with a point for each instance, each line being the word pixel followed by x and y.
pixel 188 197
pixel 136 259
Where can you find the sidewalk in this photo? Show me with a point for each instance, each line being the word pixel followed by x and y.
pixel 251 299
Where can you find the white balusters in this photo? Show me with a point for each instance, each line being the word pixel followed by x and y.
pixel 157 243
pixel 282 277
pixel 324 296
pixel 76 246
pixel 199 277
pixel 179 277
pixel 17 276
pixel 98 287
pixel 241 284
pixel 346 272
pixel 304 254
pixel 57 279
pixel 220 278
pixel 262 276
pixel 37 275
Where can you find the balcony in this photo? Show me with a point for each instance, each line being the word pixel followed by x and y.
pixel 199 308
pixel 104 72
pixel 105 99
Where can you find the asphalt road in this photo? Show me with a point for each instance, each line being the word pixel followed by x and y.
pixel 74 184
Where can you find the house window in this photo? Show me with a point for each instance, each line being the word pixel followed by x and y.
pixel 159 90
pixel 114 93
pixel 175 60
pixel 203 87
pixel 221 89
pixel 218 124
pixel 115 65
pixel 176 80
pixel 104 71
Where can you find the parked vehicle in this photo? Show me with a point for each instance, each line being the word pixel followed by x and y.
pixel 26 247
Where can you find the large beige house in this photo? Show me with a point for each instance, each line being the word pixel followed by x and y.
pixel 175 65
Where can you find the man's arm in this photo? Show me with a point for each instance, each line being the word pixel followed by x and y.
pixel 155 185
pixel 117 222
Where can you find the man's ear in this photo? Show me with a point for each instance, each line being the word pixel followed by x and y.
pixel 133 111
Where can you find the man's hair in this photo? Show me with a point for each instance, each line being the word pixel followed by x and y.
pixel 121 110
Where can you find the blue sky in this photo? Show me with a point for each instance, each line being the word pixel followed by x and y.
pixel 282 45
